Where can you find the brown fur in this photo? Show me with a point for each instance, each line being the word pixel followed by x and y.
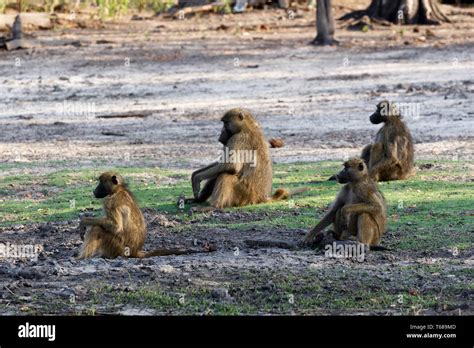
pixel 359 209
pixel 238 184
pixel 391 156
pixel 122 230
pixel 274 143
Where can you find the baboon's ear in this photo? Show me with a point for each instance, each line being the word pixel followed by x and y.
pixel 114 180
pixel 361 167
pixel 241 115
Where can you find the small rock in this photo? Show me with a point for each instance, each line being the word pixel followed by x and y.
pixel 162 220
pixel 268 287
pixel 221 293
pixel 64 292
pixel 166 269
pixel 137 311
pixel 29 273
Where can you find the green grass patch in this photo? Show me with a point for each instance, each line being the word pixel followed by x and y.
pixel 431 210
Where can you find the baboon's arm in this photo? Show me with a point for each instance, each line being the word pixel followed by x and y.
pixel 388 160
pixel 360 208
pixel 111 224
pixel 311 237
pixel 213 172
pixel 203 169
pixel 325 222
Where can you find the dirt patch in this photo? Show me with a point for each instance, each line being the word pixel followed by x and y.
pixel 316 99
pixel 181 76
pixel 230 274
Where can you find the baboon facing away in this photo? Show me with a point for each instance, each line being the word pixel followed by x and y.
pixel 391 156
pixel 359 209
pixel 244 174
pixel 122 230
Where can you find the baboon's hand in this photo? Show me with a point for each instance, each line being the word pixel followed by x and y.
pixel 312 238
pixel 308 239
pixel 82 229
pixel 196 187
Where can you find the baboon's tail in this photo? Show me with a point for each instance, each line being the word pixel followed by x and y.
pixel 282 194
pixel 259 243
pixel 175 251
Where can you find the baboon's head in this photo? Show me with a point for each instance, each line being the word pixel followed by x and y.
pixel 354 170
pixel 385 111
pixel 109 183
pixel 236 120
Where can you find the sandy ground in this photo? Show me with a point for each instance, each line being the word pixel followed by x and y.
pixel 179 77
pixel 183 75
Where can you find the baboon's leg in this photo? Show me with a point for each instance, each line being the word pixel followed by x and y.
pixel 100 243
pixel 368 231
pixel 206 192
pixel 224 194
pixel 366 154
pixel 395 173
pixel 113 247
pixel 352 225
pixel 343 227
pixel 92 243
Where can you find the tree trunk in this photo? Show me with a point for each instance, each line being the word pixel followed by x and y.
pixel 402 12
pixel 324 24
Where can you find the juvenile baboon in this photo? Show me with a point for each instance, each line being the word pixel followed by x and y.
pixel 244 175
pixel 359 209
pixel 122 230
pixel 390 157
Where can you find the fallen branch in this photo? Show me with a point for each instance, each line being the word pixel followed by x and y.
pixel 18 43
pixel 113 134
pixel 197 9
pixel 36 20
pixel 128 115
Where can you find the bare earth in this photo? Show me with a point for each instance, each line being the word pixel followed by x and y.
pixel 179 77
pixel 184 74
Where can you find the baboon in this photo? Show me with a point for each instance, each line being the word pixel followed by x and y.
pixel 244 175
pixel 122 230
pixel 391 156
pixel 359 209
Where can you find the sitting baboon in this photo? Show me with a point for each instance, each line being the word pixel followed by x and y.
pixel 359 209
pixel 390 157
pixel 244 175
pixel 122 230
